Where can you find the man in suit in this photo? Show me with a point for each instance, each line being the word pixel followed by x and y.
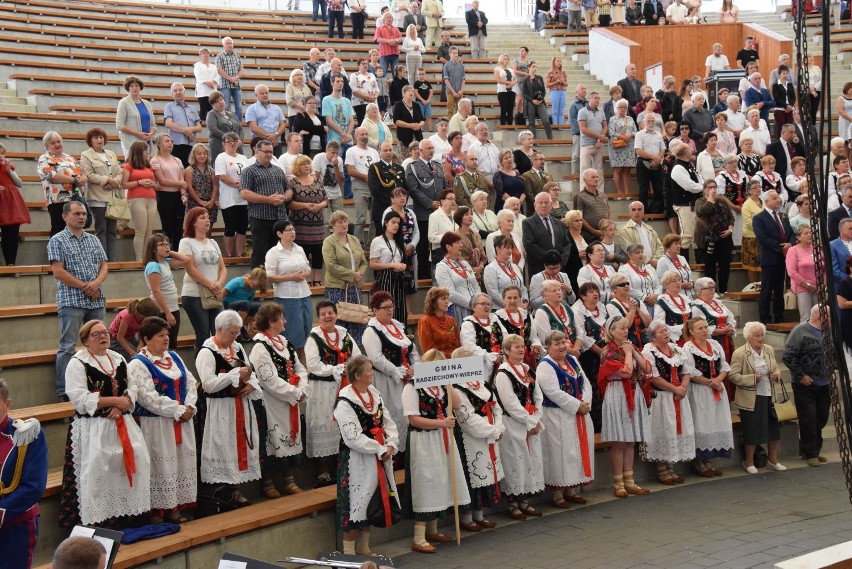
pixel 841 249
pixel 477 30
pixel 630 87
pixel 535 179
pixel 842 212
pixel 417 19
pixel 469 181
pixel 541 233
pixel 775 236
pixel 383 177
pixel 637 230
pixel 784 150
pixel 653 12
pixel 434 12
pixel 425 181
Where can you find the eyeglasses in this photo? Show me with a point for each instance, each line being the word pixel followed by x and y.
pixel 103 334
pixel 710 287
pixel 164 244
pixel 388 307
pixel 623 285
pixel 232 333
pixel 482 304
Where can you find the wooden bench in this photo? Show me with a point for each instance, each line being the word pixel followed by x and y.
pixel 741 295
pixel 784 327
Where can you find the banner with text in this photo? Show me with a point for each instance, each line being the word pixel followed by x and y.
pixel 444 372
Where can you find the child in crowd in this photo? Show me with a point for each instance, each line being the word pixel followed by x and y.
pixel 159 260
pixel 400 80
pixel 124 328
pixel 423 93
pixel 239 296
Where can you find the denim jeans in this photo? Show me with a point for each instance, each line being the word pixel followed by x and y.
pixel 235 93
pixel 347 181
pixel 203 321
pixel 71 319
pixel 388 63
pixel 320 4
pixel 557 106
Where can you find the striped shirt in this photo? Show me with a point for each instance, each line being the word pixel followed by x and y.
pixel 265 181
pixel 231 65
pixel 82 257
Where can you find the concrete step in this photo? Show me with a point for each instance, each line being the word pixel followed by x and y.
pixel 18 107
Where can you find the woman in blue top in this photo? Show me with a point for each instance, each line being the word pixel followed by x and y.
pixel 239 296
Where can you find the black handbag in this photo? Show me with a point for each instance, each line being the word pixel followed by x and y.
pixel 377 514
pixel 215 499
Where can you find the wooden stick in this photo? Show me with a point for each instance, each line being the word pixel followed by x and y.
pixel 452 456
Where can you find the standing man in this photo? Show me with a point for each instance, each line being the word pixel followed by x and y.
pixel 310 68
pixel 23 478
pixel 593 134
pixel 230 68
pixel 650 151
pixel 747 54
pixel 389 39
pixel 434 12
pixel 264 187
pixel 183 123
pixel 843 211
pixel 453 79
pixel 476 29
pixel 358 160
pixel 686 187
pixel 425 181
pixel 335 67
pixel 444 57
pixel 637 230
pixel 266 120
pixel 653 12
pixel 335 17
pixel 417 19
pixel 469 181
pixel 630 88
pixel 383 177
pixel 457 120
pixel 294 150
pixel 487 156
pixel 543 233
pixel 79 266
pixel 340 119
pixel 774 235
pixel 841 249
pixel 716 61
pixel 593 204
pixel 803 354
pixel 534 180
pixel 577 104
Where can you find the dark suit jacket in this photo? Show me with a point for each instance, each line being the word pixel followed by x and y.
pixel 834 222
pixel 769 239
pixel 537 241
pixel 839 254
pixel 417 20
pixel 472 29
pixel 574 263
pixel 533 185
pixel 648 12
pixel 784 95
pixel 630 91
pixel 382 180
pixel 424 186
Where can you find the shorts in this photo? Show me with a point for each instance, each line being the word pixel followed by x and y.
pixel 236 220
pixel 426 109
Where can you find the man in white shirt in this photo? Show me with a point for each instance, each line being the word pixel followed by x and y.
pixel 676 13
pixel 736 117
pixel 294 150
pixel 716 61
pixel 650 150
pixel 328 168
pixel 757 131
pixel 637 230
pixel 487 155
pixel 324 67
pixel 439 139
pixel 358 160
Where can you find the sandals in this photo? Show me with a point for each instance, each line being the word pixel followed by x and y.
pixel 560 503
pixel 636 490
pixel 528 510
pixel 269 490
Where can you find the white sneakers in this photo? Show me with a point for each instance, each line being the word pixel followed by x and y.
pixel 750 469
pixel 777 467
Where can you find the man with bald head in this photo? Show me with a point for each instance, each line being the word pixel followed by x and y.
pixel 383 177
pixel 630 87
pixel 424 180
pixel 637 230
pixel 774 236
pixel 457 120
pixel 266 120
pixel 358 160
pixel 183 123
pixel 542 233
pixel 593 204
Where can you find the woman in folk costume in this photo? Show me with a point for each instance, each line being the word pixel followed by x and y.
pixel 644 284
pixel 596 270
pixel 569 436
pixel 671 438
pixel 481 422
pixel 284 382
pixel 429 455
pixel 327 350
pixel 514 319
pixel 625 409
pixel 107 469
pixel 369 439
pixel 393 356
pixel 520 448
pixel 229 444
pixel 481 333
pixel 621 304
pixel 554 315
pixel 673 307
pixel 591 315
pixel 166 403
pixel 720 320
pixel 711 412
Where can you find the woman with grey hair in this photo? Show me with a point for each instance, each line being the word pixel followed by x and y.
pixel 377 131
pixel 296 95
pixel 720 320
pixel 229 444
pixel 523 155
pixel 484 219
pixel 673 307
pixel 645 287
pixel 754 370
pixel 622 154
pixel 409 122
pixel 61 177
pixel 671 438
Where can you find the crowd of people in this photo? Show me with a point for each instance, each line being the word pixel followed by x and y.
pixel 582 326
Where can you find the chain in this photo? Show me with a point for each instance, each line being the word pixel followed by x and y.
pixel 839 386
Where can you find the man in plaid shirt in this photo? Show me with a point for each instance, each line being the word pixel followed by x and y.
pixel 230 68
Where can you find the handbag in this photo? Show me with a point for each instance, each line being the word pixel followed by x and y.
pixel 790 302
pixel 383 498
pixel 354 313
pixel 618 142
pixel 208 299
pixel 117 208
pixel 785 408
pixel 388 117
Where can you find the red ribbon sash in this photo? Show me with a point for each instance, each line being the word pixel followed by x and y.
pixel 177 424
pixel 379 435
pixel 676 383
pixel 583 437
pixel 293 380
pixel 489 414
pixel 126 449
pixel 443 430
pixel 242 443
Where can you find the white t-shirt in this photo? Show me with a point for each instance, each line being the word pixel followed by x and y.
pixel 361 159
pixel 677 12
pixel 321 164
pixel 285 162
pixel 717 63
pixel 380 251
pixel 231 166
pixel 206 257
